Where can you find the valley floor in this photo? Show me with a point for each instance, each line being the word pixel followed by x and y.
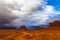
pixel 39 34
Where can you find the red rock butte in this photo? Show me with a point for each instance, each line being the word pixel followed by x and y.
pixel 23 27
pixel 54 23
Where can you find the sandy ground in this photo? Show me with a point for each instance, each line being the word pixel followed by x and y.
pixel 39 34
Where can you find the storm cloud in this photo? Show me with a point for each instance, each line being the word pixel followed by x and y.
pixel 6 16
pixel 25 12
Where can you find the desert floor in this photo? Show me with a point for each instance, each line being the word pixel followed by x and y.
pixel 39 34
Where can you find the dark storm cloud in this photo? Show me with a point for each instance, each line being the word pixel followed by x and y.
pixel 5 16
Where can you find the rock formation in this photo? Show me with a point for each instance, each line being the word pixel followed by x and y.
pixel 55 23
pixel 23 27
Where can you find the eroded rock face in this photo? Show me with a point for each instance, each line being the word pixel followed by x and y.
pixel 55 23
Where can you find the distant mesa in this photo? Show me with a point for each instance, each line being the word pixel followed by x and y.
pixel 7 27
pixel 23 27
pixel 55 23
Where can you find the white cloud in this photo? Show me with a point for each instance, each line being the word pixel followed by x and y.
pixel 40 17
pixel 22 7
pixel 29 12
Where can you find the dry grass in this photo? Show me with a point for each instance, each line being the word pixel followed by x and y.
pixel 39 34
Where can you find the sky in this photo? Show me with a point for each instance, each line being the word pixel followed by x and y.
pixel 55 3
pixel 28 12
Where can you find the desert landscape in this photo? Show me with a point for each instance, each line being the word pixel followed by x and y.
pixel 50 33
pixel 29 19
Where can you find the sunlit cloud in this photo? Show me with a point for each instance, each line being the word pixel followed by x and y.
pixel 26 12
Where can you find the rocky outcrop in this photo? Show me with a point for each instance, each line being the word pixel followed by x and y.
pixel 55 23
pixel 23 27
